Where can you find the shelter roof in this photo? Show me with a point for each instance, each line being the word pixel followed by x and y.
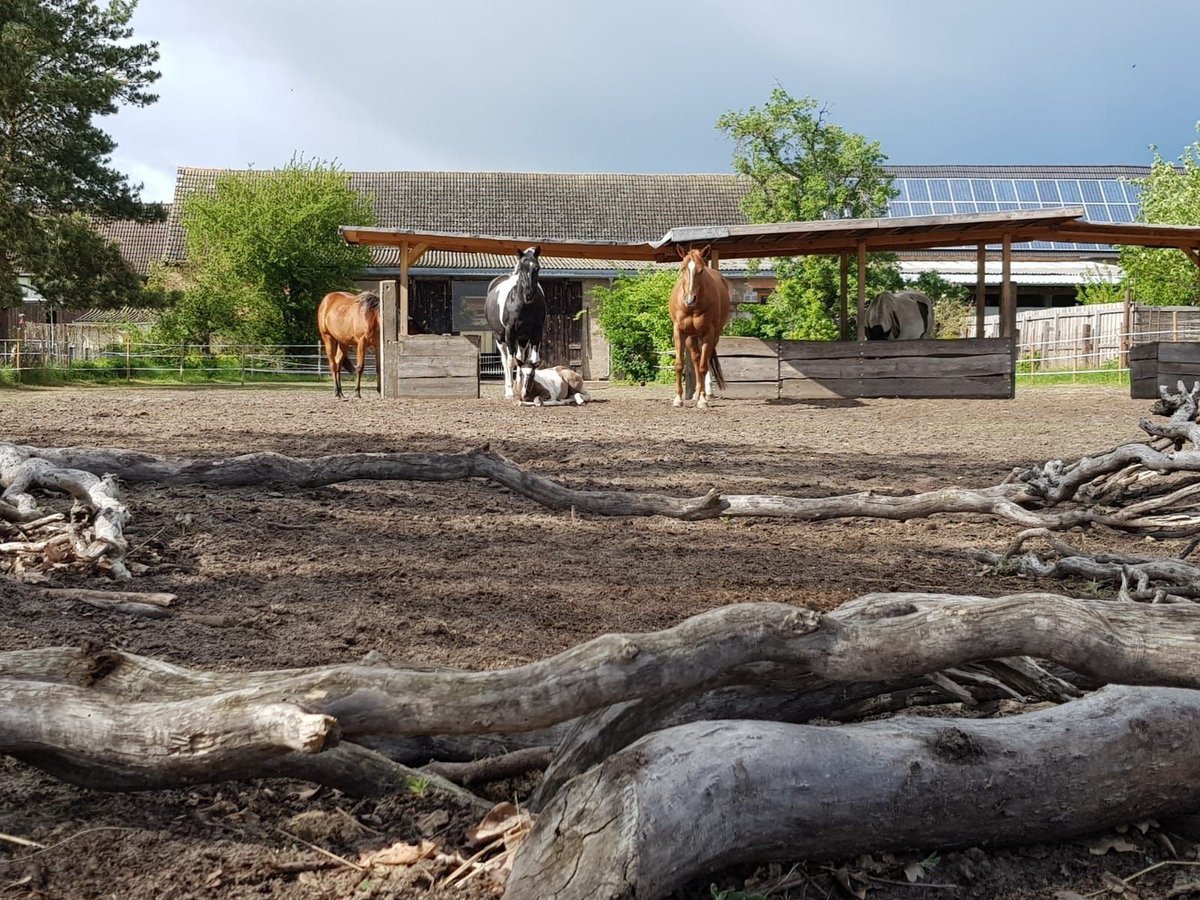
pixel 828 236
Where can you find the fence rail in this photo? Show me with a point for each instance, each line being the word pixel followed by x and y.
pixel 42 360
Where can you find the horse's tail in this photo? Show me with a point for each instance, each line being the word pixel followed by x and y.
pixel 714 366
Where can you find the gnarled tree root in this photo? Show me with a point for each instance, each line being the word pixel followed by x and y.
pixel 155 724
pixel 689 800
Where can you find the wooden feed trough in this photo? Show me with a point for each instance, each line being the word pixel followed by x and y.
pixel 1162 363
pixel 980 368
pixel 431 365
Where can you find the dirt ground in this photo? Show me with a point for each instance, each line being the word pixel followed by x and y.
pixel 466 574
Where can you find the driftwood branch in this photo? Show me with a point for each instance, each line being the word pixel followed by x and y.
pixel 1142 488
pixel 878 638
pixel 105 543
pixel 690 800
pixel 493 768
pixel 1143 578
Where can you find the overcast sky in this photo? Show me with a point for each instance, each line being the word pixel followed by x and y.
pixel 622 86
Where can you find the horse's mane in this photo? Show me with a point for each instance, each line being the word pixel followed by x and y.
pixel 369 300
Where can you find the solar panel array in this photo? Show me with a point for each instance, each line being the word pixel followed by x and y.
pixel 1103 200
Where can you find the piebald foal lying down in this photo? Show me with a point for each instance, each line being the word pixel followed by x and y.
pixel 559 386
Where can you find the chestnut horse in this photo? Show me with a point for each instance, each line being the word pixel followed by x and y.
pixel 344 320
pixel 700 307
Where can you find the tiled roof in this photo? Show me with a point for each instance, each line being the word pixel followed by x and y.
pixel 591 207
pixel 570 206
pixel 141 243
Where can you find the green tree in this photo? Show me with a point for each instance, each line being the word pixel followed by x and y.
pixel 801 166
pixel 1170 196
pixel 264 247
pixel 634 313
pixel 64 63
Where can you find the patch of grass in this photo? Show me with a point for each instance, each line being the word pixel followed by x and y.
pixel 1055 379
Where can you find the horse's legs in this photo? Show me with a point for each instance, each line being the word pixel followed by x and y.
pixel 360 363
pixel 506 363
pixel 331 348
pixel 678 368
pixel 699 367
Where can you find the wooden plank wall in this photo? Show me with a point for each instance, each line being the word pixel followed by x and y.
pixel 430 365
pixel 750 367
pixel 967 368
pixel 1162 363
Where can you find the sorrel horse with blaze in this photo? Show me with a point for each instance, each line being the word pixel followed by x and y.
pixel 348 320
pixel 700 307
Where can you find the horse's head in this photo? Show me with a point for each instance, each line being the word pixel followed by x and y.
pixel 528 267
pixel 526 381
pixel 693 261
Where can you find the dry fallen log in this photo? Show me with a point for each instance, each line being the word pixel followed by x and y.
pixel 878 638
pixel 1144 578
pixel 91 739
pixel 1142 488
pixel 690 800
pixel 359 772
pixel 21 472
pixel 788 694
pixel 493 768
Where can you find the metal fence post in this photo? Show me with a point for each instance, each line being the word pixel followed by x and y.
pixel 182 353
pixel 128 371
pixel 242 363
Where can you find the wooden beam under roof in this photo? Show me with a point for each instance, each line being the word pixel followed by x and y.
pixel 830 236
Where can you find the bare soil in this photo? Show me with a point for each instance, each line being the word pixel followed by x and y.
pixel 466 574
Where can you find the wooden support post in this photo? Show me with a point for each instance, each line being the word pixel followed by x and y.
pixel 862 290
pixel 980 289
pixel 1126 327
pixel 1193 255
pixel 402 290
pixel 1008 301
pixel 843 313
pixel 389 348
pixel 714 260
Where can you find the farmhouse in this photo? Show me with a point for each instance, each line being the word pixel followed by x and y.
pixel 447 289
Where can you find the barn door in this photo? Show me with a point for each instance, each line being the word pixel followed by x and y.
pixel 562 342
pixel 430 307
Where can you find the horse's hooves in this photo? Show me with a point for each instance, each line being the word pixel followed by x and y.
pixel 677 402
pixel 701 404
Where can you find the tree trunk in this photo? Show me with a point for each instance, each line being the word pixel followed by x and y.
pixel 150 723
pixel 690 800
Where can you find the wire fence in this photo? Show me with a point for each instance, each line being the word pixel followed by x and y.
pixel 1099 355
pixel 41 361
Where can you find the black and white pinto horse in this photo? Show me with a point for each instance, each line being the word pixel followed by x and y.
pixel 559 386
pixel 516 313
pixel 900 316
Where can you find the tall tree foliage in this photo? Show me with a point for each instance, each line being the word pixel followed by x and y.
pixel 63 63
pixel 263 248
pixel 802 166
pixel 1170 196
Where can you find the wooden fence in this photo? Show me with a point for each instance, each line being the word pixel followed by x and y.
pixel 1092 337
pixel 810 370
pixel 1162 363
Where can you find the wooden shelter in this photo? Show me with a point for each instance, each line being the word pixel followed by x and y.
pixel 840 237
